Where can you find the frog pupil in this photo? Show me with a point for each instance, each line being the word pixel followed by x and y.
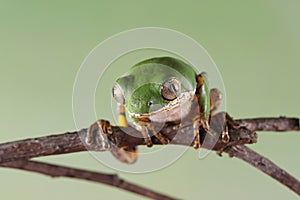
pixel 175 88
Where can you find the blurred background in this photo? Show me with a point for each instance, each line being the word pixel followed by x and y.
pixel 255 45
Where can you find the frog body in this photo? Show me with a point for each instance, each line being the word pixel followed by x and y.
pixel 160 90
pixel 142 86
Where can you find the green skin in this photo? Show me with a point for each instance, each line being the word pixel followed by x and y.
pixel 141 90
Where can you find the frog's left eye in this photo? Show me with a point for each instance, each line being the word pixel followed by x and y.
pixel 118 94
pixel 170 89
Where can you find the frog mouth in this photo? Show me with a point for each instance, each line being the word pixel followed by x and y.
pixel 175 110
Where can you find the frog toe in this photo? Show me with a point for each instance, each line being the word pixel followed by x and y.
pixel 125 154
pixel 97 137
pixel 163 139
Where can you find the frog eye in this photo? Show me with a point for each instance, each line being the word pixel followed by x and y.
pixel 170 89
pixel 118 94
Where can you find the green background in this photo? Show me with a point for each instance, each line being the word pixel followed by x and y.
pixel 255 44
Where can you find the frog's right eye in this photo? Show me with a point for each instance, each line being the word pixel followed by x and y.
pixel 170 89
pixel 118 94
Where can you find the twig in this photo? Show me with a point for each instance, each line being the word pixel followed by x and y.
pixel 240 131
pixel 271 124
pixel 60 171
pixel 74 142
pixel 265 165
pixel 42 146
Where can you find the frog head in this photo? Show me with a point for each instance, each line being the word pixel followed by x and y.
pixel 157 102
pixel 156 89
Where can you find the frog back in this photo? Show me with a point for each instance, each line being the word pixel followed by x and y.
pixel 156 71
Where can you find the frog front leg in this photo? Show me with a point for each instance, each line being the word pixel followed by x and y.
pixel 203 100
pixel 126 154
pixel 208 100
pixel 145 128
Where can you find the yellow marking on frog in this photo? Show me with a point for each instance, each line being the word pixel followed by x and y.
pixel 122 116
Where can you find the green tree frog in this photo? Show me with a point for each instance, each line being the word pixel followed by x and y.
pixel 161 90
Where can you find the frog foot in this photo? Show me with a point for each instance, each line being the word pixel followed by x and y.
pixel 146 136
pixel 125 154
pixel 198 122
pixel 163 139
pixel 196 126
pixel 145 132
pixel 97 135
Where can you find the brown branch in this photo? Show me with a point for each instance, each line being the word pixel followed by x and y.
pixel 271 124
pixel 240 131
pixel 42 146
pixel 74 142
pixel 60 171
pixel 265 165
